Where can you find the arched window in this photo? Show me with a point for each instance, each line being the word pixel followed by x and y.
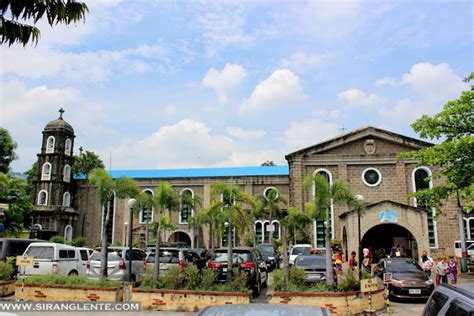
pixel 50 144
pixel 67 199
pixel 258 232
pixel 469 228
pixel 146 215
pixel 276 229
pixel 68 233
pixel 67 147
pixel 46 171
pixel 421 179
pixel 67 173
pixel 318 225
pixel 186 209
pixel 42 198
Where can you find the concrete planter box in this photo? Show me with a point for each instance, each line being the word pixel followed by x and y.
pixel 338 303
pixel 185 300
pixel 66 293
pixel 7 288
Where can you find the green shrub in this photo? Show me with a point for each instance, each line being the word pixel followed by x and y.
pixel 78 242
pixel 347 282
pixel 6 269
pixel 72 280
pixel 319 287
pixel 57 239
pixel 365 275
pixel 278 283
pixel 238 283
pixel 173 278
pixel 297 277
pixel 192 278
pixel 208 278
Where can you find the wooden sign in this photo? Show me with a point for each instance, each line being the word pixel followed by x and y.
pixel 25 260
pixel 369 285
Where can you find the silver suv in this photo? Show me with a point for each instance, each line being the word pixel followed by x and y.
pixel 117 264
pixel 451 300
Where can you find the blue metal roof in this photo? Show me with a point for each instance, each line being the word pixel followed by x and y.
pixel 201 172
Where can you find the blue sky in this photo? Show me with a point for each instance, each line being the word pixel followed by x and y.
pixel 176 84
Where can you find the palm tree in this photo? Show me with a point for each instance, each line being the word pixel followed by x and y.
pixel 145 203
pixel 233 205
pixel 291 220
pixel 269 206
pixel 58 11
pixel 122 188
pixel 165 198
pixel 325 195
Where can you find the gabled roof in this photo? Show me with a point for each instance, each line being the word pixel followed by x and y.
pixel 361 133
pixel 372 205
pixel 201 172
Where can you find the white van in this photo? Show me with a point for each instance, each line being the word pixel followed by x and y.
pixel 84 255
pixel 53 258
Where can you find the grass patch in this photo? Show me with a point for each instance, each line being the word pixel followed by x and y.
pixel 72 280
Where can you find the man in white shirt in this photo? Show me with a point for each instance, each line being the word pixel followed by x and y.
pixel 426 263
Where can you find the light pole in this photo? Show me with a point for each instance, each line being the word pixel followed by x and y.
pixel 359 198
pixel 131 204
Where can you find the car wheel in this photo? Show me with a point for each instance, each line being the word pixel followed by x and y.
pixel 257 287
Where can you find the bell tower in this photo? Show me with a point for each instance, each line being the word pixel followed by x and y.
pixel 53 193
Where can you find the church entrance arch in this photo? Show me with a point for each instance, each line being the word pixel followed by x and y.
pixel 388 235
pixel 180 237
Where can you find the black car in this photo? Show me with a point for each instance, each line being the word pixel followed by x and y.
pixel 408 278
pixel 314 267
pixel 12 247
pixel 249 260
pixel 271 255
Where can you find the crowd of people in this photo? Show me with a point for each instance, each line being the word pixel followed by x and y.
pixel 443 269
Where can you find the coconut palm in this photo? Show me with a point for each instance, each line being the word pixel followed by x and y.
pixel 233 205
pixel 165 198
pixel 325 195
pixel 108 187
pixel 144 204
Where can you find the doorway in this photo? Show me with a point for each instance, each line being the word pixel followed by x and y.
pixel 388 235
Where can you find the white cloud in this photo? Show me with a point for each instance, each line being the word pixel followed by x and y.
pixel 221 81
pixel 281 88
pixel 360 98
pixel 309 132
pixel 386 81
pixel 303 62
pixel 434 85
pixel 241 133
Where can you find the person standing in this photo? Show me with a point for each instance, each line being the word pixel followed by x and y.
pixel 441 271
pixel 352 261
pixel 426 263
pixel 453 269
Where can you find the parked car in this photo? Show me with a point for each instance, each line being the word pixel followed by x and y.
pixel 118 264
pixel 451 300
pixel 173 257
pixel 84 255
pixel 52 258
pixel 408 278
pixel 264 309
pixel 271 255
pixel 314 267
pixel 247 259
pixel 12 247
pixel 299 249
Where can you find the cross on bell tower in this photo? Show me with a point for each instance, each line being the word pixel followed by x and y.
pixel 61 111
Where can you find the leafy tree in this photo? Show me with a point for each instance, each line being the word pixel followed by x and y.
pixel 268 163
pixel 233 205
pixel 31 175
pixel 86 162
pixel 326 195
pixel 7 150
pixel 454 156
pixel 57 11
pixel 145 202
pixel 165 198
pixel 108 187
pixel 210 217
pixel 15 193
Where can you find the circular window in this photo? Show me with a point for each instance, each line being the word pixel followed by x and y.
pixel 270 193
pixel 371 177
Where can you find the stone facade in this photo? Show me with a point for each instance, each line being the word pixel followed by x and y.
pixel 347 158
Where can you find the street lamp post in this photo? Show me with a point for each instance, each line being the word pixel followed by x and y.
pixel 359 198
pixel 131 204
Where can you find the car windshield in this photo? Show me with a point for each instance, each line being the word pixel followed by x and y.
pixel 403 266
pixel 238 257
pixel 41 252
pixel 301 251
pixel 305 261
pixel 113 255
pixel 265 248
pixel 165 257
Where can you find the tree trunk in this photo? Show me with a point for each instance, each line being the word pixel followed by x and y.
pixel 156 267
pixel 329 267
pixel 230 256
pixel 211 237
pixel 104 252
pixel 286 264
